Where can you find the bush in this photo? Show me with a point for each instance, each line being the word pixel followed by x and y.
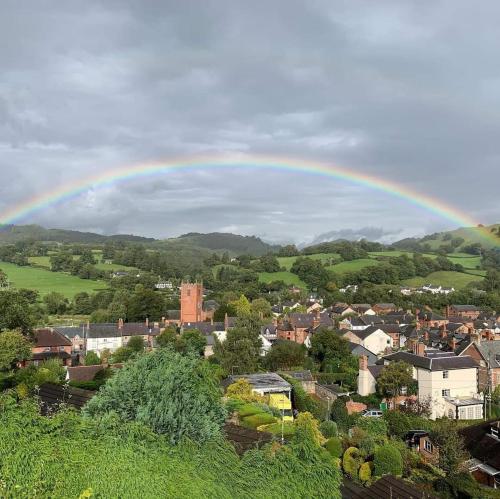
pixel 249 410
pixel 303 402
pixel 373 426
pixel 365 471
pixel 388 460
pixel 340 415
pixel 328 429
pixel 399 424
pixel 334 446
pixel 257 420
pixel 352 461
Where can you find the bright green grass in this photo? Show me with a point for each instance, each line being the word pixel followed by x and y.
pixel 44 261
pixel 444 278
pixel 286 277
pixel 288 261
pixel 389 253
pixel 353 265
pixel 468 262
pixel 45 281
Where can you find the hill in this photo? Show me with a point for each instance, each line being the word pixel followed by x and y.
pixel 465 236
pixel 220 242
pixel 13 233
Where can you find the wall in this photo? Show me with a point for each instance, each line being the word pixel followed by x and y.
pixel 377 342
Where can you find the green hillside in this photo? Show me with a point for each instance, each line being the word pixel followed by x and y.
pixel 353 265
pixel 448 279
pixel 286 277
pixel 288 261
pixel 45 281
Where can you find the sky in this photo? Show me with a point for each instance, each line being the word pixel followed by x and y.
pixel 408 91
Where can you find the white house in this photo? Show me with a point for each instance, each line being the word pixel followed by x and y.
pixel 447 382
pixel 372 338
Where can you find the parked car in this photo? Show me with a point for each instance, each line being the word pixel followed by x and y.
pixel 372 413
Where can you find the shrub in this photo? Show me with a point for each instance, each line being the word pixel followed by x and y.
pixel 352 461
pixel 400 424
pixel 334 446
pixel 340 415
pixel 92 359
pixel 373 426
pixel 242 389
pixel 365 471
pixel 328 429
pixel 257 420
pixel 249 410
pixel 388 460
pixel 303 402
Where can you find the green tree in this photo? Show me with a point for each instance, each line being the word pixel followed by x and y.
pixel 328 429
pixel 176 395
pixel 193 341
pixel 451 452
pixel 340 415
pixel 14 347
pixel 393 378
pixel 15 312
pixel 87 257
pixel 242 306
pixel 122 354
pixel 136 344
pixel 92 359
pixel 167 338
pixel 365 472
pixel 351 462
pixel 388 460
pixel 261 307
pixel 306 440
pixel 286 355
pixel 56 303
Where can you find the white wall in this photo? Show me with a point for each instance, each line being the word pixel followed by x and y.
pixel 98 344
pixel 377 342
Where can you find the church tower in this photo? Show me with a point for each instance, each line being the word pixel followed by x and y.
pixel 191 302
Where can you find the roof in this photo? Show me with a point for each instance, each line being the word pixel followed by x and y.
pixel 244 439
pixel 368 332
pixel 375 370
pixel 446 361
pixel 50 338
pixel 84 373
pixel 385 305
pixel 52 396
pixel 112 330
pixel 490 350
pixel 360 349
pixel 299 375
pixel 50 355
pixel 385 487
pixel 268 382
pixel 481 444
pixel 205 328
pixel 69 331
pixel 465 308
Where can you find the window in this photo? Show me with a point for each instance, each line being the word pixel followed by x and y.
pixel 427 446
pixel 479 411
pixel 445 393
pixel 470 412
pixel 445 374
pixel 462 413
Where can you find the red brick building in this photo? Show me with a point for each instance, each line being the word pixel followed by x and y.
pixel 50 344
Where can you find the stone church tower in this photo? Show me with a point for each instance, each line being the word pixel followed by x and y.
pixel 191 302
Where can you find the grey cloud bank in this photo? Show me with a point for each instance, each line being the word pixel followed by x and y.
pixel 407 91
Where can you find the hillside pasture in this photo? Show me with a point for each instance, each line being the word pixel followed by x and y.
pixel 288 261
pixel 353 265
pixel 448 279
pixel 45 281
pixel 286 277
pixel 44 261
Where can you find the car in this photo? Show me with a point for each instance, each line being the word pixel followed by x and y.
pixel 372 413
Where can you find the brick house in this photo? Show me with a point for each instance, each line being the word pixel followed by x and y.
pixel 487 355
pixel 464 311
pixel 50 344
pixel 298 326
pixel 384 308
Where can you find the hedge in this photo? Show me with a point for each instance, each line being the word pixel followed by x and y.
pixel 388 460
pixel 258 420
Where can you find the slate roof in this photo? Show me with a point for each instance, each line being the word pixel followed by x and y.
pixel 50 355
pixel 112 330
pixel 481 444
pixel 375 370
pixel 490 350
pixel 262 381
pixel 446 362
pixel 465 308
pixel 52 396
pixel 84 373
pixel 70 331
pixel 205 328
pixel 299 375
pixel 367 332
pixel 49 338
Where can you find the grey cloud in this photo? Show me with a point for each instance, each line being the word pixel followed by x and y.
pixel 403 90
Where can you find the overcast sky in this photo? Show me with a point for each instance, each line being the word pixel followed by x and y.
pixel 405 90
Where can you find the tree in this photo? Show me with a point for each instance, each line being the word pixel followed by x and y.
pixel 328 429
pixel 393 378
pixel 15 312
pixel 92 359
pixel 122 354
pixel 239 353
pixel 167 338
pixel 136 343
pixel 56 303
pixel 351 462
pixel 286 355
pixel 388 460
pixel 193 341
pixel 242 306
pixel 14 347
pixel 241 389
pixel 307 438
pixel 4 280
pixel 334 446
pixel 87 257
pixel 176 395
pixel 450 446
pixel 261 307
pixel 339 414
pixel 365 472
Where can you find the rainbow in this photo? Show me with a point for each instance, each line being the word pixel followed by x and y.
pixel 65 192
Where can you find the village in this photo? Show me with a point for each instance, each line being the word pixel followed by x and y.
pixel 451 355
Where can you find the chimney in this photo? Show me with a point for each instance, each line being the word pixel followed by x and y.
pixel 275 321
pixel 476 337
pixel 88 325
pixel 363 363
pixel 426 335
pixel 147 321
pixel 163 320
pixel 212 320
pixel 120 323
pixel 453 344
pixel 420 350
pixel 443 333
pixel 226 322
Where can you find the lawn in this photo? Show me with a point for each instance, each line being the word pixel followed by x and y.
pixel 447 279
pixel 286 277
pixel 467 261
pixel 288 261
pixel 45 281
pixel 353 265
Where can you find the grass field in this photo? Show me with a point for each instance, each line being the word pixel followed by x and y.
pixel 353 265
pixel 44 261
pixel 468 261
pixel 288 261
pixel 286 277
pixel 45 281
pixel 448 279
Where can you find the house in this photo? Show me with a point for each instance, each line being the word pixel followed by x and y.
pixel 436 289
pixel 164 285
pixel 448 382
pixel 50 344
pixel 487 355
pixel 367 378
pixel 428 318
pixel 83 373
pixel 298 326
pixel 350 288
pixel 359 350
pixel 482 441
pixel 75 335
pixel 384 308
pixel 372 338
pixel 263 383
pixel 363 309
pixel 341 309
pixel 463 311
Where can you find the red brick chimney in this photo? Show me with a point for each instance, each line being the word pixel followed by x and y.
pixel 420 350
pixel 363 363
pixel 147 321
